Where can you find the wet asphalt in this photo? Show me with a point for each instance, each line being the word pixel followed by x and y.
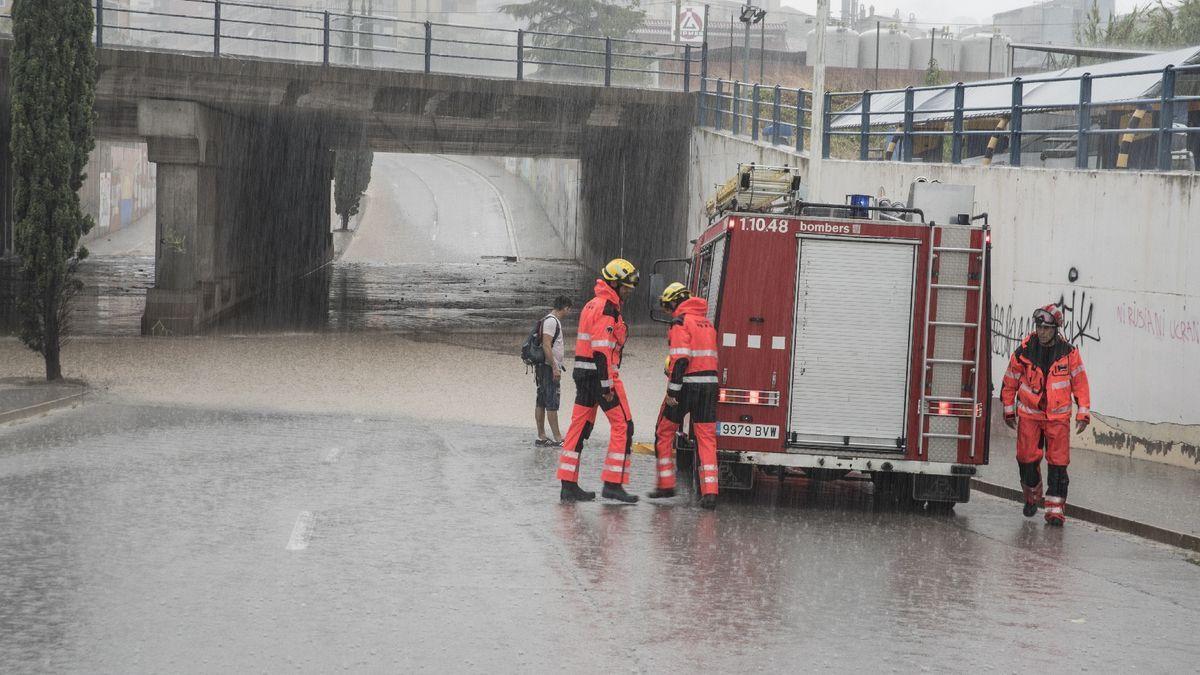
pixel 136 538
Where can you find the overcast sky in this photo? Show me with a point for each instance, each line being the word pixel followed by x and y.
pixel 941 11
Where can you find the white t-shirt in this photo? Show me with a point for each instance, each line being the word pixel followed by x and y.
pixel 552 326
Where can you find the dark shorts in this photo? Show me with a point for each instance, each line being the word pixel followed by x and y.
pixel 547 388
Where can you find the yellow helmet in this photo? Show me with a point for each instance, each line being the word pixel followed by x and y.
pixel 675 292
pixel 620 271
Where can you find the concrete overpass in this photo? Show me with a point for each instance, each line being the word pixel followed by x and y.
pixel 243 152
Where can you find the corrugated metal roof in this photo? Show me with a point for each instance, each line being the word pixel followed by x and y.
pixel 990 98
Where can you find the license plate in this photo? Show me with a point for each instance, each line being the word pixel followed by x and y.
pixel 739 430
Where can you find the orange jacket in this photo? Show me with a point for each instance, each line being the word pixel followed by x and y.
pixel 601 336
pixel 1046 395
pixel 693 346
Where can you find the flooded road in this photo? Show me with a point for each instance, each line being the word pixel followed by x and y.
pixel 146 538
pixel 434 250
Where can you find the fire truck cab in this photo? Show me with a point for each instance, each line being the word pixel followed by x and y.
pixel 853 337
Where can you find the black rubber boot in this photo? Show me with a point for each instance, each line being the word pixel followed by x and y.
pixel 708 502
pixel 661 493
pixel 1030 509
pixel 571 492
pixel 617 491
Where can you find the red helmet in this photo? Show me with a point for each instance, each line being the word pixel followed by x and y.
pixel 1050 315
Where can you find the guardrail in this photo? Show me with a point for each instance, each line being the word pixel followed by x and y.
pixel 768 113
pixel 1071 131
pixel 229 28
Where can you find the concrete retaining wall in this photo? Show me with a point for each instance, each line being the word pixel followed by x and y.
pixel 1133 311
pixel 555 182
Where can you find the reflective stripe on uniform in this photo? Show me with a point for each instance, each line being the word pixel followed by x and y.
pixel 1012 375
pixel 710 479
pixel 585 365
pixel 1060 385
pixel 603 343
pixel 1084 410
pixel 606 383
pixel 1077 371
pixel 704 352
pixel 617 456
pixel 571 454
pixel 667 473
pixel 674 387
pixel 1025 387
pixel 700 379
pixel 567 467
pixel 1026 409
pixel 1064 409
pixel 680 351
pixel 1009 409
pixel 665 461
pixel 708 467
pixel 584 336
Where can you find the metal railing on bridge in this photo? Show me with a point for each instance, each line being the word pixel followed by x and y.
pixel 232 28
pixel 772 114
pixel 1108 120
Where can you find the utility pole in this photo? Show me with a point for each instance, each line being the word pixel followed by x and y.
pixel 878 33
pixel 817 140
pixel 762 47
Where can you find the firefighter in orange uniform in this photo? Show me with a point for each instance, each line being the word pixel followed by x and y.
pixel 692 389
pixel 1043 375
pixel 598 346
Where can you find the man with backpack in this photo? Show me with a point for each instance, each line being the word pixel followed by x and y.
pixel 544 351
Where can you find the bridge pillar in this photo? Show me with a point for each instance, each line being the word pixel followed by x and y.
pixel 633 197
pixel 243 208
pixel 190 286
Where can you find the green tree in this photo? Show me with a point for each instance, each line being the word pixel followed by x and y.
pixel 933 73
pixel 351 176
pixel 53 80
pixel 573 22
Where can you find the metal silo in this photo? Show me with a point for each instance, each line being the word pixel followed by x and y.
pixel 895 49
pixel 841 47
pixel 975 53
pixel 945 50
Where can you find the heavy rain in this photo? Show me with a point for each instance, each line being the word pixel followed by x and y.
pixel 296 429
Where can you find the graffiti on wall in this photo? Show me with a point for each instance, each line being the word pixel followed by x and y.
pixel 1158 324
pixel 1009 326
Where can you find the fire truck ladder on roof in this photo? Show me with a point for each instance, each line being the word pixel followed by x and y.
pixel 956 268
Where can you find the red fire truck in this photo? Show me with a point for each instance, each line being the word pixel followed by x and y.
pixel 853 337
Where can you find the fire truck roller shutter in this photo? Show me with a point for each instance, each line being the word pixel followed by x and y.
pixel 714 284
pixel 853 342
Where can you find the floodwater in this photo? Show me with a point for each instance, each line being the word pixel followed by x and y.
pixel 436 249
pixel 142 538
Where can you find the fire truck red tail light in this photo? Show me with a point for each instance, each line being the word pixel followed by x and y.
pixel 748 397
pixel 944 408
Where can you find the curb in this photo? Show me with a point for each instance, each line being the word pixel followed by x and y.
pixel 39 408
pixel 1118 523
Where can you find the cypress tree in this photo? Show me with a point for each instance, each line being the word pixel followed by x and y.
pixel 53 87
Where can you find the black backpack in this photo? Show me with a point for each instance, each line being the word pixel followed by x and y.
pixel 532 353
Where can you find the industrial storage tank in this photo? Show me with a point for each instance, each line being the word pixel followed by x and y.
pixel 895 49
pixel 975 54
pixel 841 47
pixel 945 50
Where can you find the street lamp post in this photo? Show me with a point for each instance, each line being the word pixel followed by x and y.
pixel 750 16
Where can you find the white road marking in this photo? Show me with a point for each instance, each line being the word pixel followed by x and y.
pixel 301 532
pixel 508 219
pixel 332 455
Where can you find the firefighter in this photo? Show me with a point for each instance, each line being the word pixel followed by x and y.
pixel 691 389
pixel 1043 375
pixel 598 346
